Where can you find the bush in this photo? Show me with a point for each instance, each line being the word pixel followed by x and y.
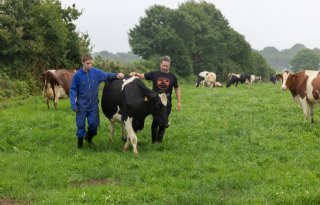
pixel 10 88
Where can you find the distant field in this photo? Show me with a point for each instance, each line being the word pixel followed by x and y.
pixel 245 145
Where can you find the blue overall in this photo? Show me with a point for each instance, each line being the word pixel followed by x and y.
pixel 84 98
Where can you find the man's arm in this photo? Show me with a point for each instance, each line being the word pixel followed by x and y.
pixel 139 75
pixel 73 93
pixel 178 95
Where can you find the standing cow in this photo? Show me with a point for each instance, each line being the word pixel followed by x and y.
pixel 57 85
pixel 304 87
pixel 129 102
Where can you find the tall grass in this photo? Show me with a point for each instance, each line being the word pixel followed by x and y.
pixel 245 145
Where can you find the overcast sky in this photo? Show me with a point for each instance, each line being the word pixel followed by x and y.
pixel 278 23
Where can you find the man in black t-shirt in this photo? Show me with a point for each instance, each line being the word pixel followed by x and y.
pixel 162 80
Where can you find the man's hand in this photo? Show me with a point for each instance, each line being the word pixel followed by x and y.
pixel 133 73
pixel 120 76
pixel 178 106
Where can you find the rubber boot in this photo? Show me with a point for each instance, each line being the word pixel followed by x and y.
pixel 80 142
pixel 88 138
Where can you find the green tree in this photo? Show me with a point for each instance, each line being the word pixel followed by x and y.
pixel 305 59
pixel 196 36
pixel 38 34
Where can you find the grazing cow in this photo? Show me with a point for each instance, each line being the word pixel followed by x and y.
pixel 273 79
pixel 129 102
pixel 233 74
pixel 201 77
pixel 235 79
pixel 305 88
pixel 57 85
pixel 216 85
pixel 206 79
pixel 210 79
pixel 254 78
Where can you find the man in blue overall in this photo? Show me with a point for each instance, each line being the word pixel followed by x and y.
pixel 84 98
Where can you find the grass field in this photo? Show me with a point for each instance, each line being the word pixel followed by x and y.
pixel 245 145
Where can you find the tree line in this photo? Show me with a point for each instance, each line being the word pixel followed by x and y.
pixel 296 58
pixel 197 37
pixel 36 35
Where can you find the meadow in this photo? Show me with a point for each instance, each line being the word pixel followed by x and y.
pixel 245 145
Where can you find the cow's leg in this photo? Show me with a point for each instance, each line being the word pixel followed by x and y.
pixel 199 81
pixel 56 96
pixel 305 108
pixel 112 127
pixel 48 103
pixel 154 131
pixel 162 129
pixel 131 136
pixel 123 133
pixel 311 109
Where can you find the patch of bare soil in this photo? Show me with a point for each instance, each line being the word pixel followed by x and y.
pixel 11 202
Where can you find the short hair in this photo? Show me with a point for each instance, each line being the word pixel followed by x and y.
pixel 165 58
pixel 86 57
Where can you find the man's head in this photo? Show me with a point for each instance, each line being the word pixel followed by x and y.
pixel 165 63
pixel 87 61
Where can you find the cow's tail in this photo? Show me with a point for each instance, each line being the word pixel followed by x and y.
pixel 45 85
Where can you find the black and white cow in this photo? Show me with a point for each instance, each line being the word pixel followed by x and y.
pixel 273 79
pixel 235 79
pixel 129 102
pixel 201 77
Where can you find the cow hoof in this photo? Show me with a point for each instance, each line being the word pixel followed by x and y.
pixel 125 148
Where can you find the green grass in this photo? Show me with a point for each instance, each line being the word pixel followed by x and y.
pixel 245 145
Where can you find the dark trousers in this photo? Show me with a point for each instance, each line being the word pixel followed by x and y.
pixel 158 131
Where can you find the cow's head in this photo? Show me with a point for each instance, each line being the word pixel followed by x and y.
pixel 160 103
pixel 285 77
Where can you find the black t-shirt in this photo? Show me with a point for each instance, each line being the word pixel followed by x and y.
pixel 162 82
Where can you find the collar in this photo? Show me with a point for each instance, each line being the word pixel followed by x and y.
pixel 84 71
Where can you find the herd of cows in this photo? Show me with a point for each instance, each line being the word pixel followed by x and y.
pixel 130 98
pixel 208 79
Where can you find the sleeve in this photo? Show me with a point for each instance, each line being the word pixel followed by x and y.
pixel 175 82
pixel 149 76
pixel 104 76
pixel 73 93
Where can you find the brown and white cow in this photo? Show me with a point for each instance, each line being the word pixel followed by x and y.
pixel 216 85
pixel 206 79
pixel 305 88
pixel 57 84
pixel 210 79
